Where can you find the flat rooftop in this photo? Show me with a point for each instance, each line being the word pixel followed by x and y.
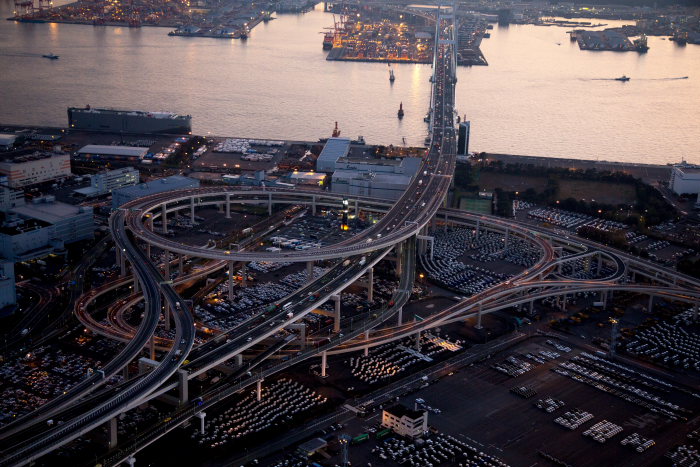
pixel 129 151
pixel 51 212
pixel 18 157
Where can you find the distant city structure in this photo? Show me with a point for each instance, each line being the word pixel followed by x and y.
pixel 106 182
pixel 176 182
pixel 24 168
pixel 405 421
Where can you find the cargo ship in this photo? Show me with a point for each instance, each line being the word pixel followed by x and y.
pixel 328 41
pixel 128 121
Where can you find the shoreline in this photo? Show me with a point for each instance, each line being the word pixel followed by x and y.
pixel 645 171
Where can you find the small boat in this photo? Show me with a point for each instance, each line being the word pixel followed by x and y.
pixel 622 78
pixel 391 76
pixel 50 56
pixel 400 113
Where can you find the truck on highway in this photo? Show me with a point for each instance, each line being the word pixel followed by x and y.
pixel 290 315
pixel 363 261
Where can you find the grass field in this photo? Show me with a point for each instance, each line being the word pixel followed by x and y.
pixel 601 192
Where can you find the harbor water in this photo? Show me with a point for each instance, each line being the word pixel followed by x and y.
pixel 539 96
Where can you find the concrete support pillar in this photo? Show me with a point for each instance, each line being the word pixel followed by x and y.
pixel 166 318
pixel 399 259
pixel 239 360
pixel 125 372
pixel 444 226
pixel 164 217
pixel 478 227
pixel 650 308
pixel 400 315
pixel 230 280
pixel 532 306
pixel 201 416
pixel 112 432
pixel 228 205
pixel 357 208
pixel 192 210
pixel 183 386
pixel 166 265
pixel 258 390
pixel 336 320
pixel 313 205
pixel 181 265
pixel 600 263
pixel 370 284
pixel 417 340
pixel 324 363
pixel 152 348
pixel 309 271
pixel 269 204
pixel 695 311
pixel 131 460
pixel 478 318
pixel 244 276
pixel 507 238
pixel 148 250
pixel 366 349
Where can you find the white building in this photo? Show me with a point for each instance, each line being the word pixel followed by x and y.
pixel 9 198
pixel 334 149
pixel 8 292
pixel 405 421
pixel 106 182
pixel 36 167
pixel 108 153
pixel 386 179
pixel 685 178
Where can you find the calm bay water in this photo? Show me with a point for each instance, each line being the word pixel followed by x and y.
pixel 536 98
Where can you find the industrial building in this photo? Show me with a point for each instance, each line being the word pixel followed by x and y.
pixel 8 290
pixel 307 178
pixel 70 223
pixel 386 179
pixel 405 421
pixel 111 153
pixel 9 198
pixel 176 182
pixel 105 182
pixel 685 178
pixel 24 168
pixel 334 149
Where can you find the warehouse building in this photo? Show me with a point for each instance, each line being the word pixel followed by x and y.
pixel 69 223
pixel 386 179
pixel 685 179
pixel 26 168
pixel 111 153
pixel 8 291
pixel 9 198
pixel 176 182
pixel 334 149
pixel 307 178
pixel 105 182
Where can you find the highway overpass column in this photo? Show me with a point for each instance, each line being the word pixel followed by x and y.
pixel 650 308
pixel 201 416
pixel 228 205
pixel 370 284
pixel 324 358
pixel 183 386
pixel 444 226
pixel 112 429
pixel 137 284
pixel 166 316
pixel 336 320
pixel 192 210
pixel 313 205
pixel 478 318
pixel 166 265
pixel 695 311
pixel 418 340
pixel 269 204
pixel 181 264
pixel 230 280
pixel 507 237
pixel 244 276
pixel 258 390
pixel 309 271
pixel 152 348
pixel 366 349
pixel 357 207
pixel 164 217
pixel 478 226
pixel 239 360
pixel 400 316
pixel 600 263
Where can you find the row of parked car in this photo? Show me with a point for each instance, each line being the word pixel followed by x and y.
pixel 280 402
pixel 673 343
pixel 438 450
